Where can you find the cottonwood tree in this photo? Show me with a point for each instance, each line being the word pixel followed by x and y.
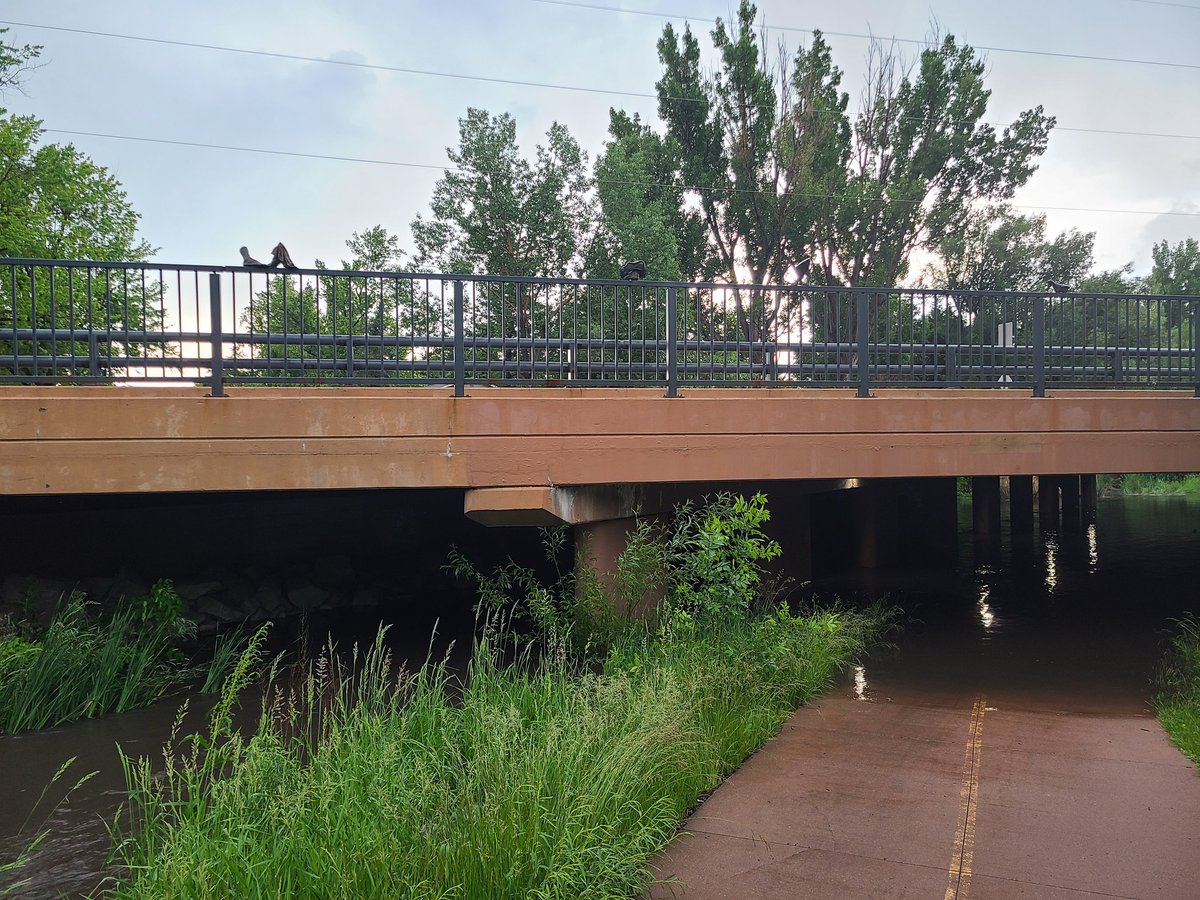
pixel 496 213
pixel 781 174
pixel 56 203
pixel 761 144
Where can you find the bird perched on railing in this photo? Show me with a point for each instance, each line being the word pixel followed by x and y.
pixel 248 260
pixel 633 271
pixel 1058 286
pixel 280 257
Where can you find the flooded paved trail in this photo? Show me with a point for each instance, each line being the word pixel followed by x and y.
pixel 1004 747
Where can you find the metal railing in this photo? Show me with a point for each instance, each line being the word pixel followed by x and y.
pixel 73 322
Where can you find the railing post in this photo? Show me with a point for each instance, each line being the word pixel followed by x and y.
pixel 218 350
pixel 1195 345
pixel 1039 346
pixel 864 367
pixel 93 354
pixel 672 343
pixel 460 343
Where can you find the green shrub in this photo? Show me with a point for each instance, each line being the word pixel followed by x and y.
pixel 715 553
pixel 89 662
pixel 1178 698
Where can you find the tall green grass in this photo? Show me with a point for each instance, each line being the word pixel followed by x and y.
pixel 528 780
pixel 1141 484
pixel 555 767
pixel 86 665
pixel 1178 700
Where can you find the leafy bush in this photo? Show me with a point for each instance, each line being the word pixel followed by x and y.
pixel 715 553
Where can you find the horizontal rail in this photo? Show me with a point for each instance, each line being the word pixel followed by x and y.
pixel 97 322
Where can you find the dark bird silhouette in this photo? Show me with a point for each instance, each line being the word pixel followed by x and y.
pixel 803 266
pixel 1058 286
pixel 280 257
pixel 633 271
pixel 248 260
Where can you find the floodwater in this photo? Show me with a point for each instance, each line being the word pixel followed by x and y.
pixel 71 860
pixel 1073 621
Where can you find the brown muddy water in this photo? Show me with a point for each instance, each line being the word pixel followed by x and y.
pixel 1074 621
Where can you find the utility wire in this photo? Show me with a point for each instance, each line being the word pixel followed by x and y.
pixel 510 81
pixel 643 184
pixel 874 37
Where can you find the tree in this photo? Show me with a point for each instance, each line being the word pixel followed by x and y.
pixel 56 203
pixel 346 325
pixel 642 216
pixel 494 213
pixel 1176 268
pixel 999 249
pixel 759 146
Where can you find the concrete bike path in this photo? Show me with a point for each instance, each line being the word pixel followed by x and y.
pixel 903 800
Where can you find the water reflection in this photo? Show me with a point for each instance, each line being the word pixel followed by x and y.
pixel 986 617
pixel 1051 563
pixel 861 690
pixel 1093 548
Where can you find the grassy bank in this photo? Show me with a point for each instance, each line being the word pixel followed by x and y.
pixel 1140 484
pixel 555 768
pixel 1178 700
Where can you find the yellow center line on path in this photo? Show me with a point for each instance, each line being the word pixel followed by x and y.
pixel 958 884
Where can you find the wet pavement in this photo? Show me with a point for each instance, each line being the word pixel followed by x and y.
pixel 1005 746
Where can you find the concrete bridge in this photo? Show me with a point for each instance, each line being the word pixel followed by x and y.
pixel 559 400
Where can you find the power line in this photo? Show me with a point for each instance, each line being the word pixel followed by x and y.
pixel 874 37
pixel 294 57
pixel 413 165
pixel 1164 3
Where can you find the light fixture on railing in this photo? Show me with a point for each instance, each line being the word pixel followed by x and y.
pixel 633 271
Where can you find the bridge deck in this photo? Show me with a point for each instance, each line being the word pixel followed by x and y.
pixel 127 439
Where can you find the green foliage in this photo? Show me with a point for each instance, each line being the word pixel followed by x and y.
pixel 715 551
pixel 56 203
pixel 999 249
pixel 523 781
pixel 1138 484
pixel 16 654
pixel 1178 699
pixel 495 213
pixel 1176 268
pixel 87 663
pixel 162 606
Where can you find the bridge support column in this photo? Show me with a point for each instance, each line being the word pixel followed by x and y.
pixel 985 517
pixel 875 522
pixel 1069 484
pixel 928 522
pixel 1048 503
pixel 598 547
pixel 1020 505
pixel 1087 497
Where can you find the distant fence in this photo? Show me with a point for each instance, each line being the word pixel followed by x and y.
pixel 73 322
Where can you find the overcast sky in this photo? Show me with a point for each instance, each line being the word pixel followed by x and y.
pixel 199 205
